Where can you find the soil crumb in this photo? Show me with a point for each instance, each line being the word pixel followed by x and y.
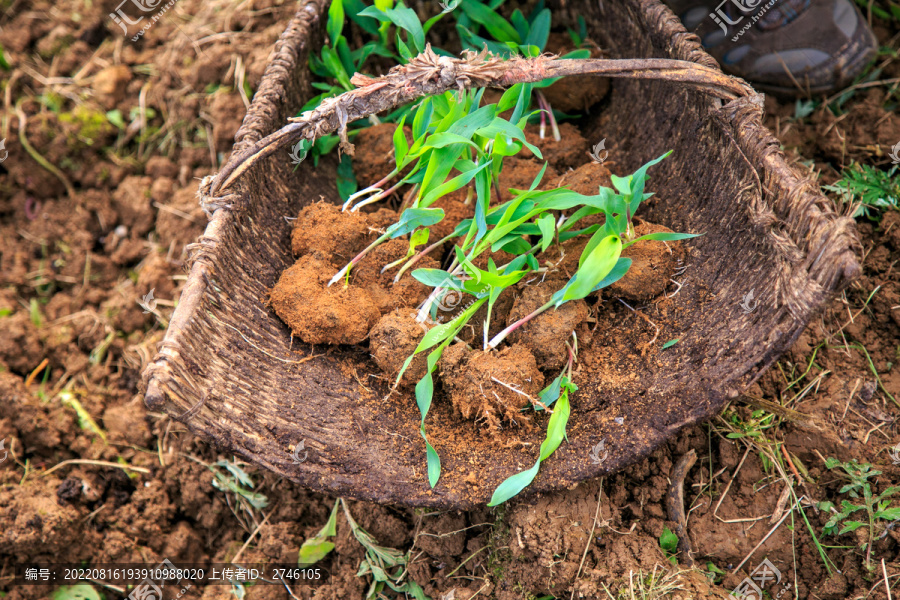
pixel 322 228
pixel 653 264
pixel 387 295
pixel 519 174
pixel 571 151
pixel 393 339
pixel 546 334
pixel 320 314
pixel 491 387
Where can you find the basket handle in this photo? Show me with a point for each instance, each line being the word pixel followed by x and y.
pixel 428 74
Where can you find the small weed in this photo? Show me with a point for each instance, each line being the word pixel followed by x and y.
pixel 668 541
pixel 875 507
pixel 872 189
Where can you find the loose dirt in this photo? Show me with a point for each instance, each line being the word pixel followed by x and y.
pixel 74 270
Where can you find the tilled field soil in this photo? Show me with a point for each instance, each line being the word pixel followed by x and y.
pixel 106 139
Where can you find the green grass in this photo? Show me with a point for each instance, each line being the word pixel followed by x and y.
pixel 871 189
pixel 875 508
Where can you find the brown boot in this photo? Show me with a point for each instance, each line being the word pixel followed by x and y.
pixel 784 47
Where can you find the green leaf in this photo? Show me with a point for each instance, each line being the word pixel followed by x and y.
pixel 832 462
pixel 671 343
pixel 115 117
pixel 851 526
pixel 336 67
pixel 436 278
pixel 433 461
pixel 451 186
pixel 540 30
pixel 502 126
pixel 595 266
pixel 346 179
pixel 401 146
pixel 335 21
pixel 668 541
pixel 316 548
pixel 891 514
pixel 548 227
pixel 404 18
pixel 617 273
pixel 664 236
pixel 497 26
pixel 556 431
pixel 422 118
pixel 413 218
pixel 550 394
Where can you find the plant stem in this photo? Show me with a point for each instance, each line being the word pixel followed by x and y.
pixel 545 106
pixel 379 196
pixel 356 259
pixel 502 335
pixel 418 257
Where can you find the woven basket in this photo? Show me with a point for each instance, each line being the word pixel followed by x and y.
pixel 229 371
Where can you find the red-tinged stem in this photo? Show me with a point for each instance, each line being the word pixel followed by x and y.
pixel 340 274
pixel 545 107
pixel 378 196
pixel 418 257
pixel 502 335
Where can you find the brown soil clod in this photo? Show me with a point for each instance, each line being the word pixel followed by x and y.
pixel 519 174
pixel 386 295
pixel 393 339
pixel 569 152
pixel 545 335
pixel 455 211
pixel 319 314
pixel 492 387
pixel 586 179
pixel 322 228
pixel 653 265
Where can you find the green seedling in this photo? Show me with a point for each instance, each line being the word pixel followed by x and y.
pixel 380 561
pixel 456 143
pixel 872 189
pixel 557 392
pixel 668 541
pixel 316 548
pixel 875 507
pixel 526 36
pixel 238 482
